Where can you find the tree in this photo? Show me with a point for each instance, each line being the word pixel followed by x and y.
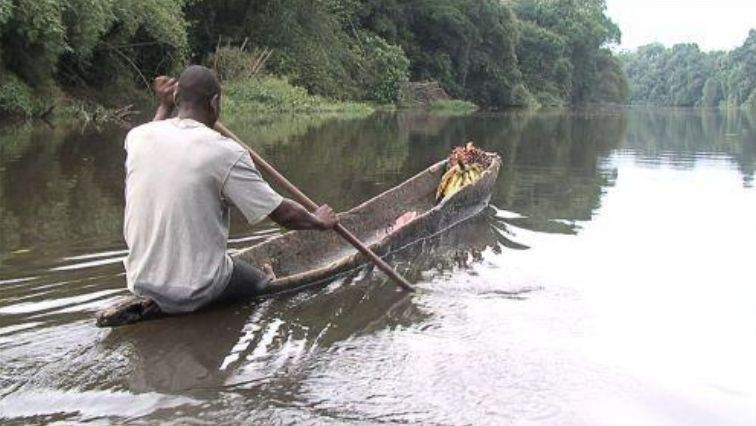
pixel 685 76
pixel 86 42
pixel 546 69
pixel 495 53
pixel 586 30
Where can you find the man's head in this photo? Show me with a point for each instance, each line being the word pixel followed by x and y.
pixel 199 91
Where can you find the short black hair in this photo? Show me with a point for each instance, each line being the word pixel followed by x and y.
pixel 197 85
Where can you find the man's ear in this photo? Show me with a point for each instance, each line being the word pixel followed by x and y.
pixel 215 104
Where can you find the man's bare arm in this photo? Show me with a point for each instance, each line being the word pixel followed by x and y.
pixel 165 88
pixel 292 215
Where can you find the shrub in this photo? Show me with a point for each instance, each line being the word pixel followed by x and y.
pixel 522 97
pixel 236 63
pixel 16 98
pixel 385 68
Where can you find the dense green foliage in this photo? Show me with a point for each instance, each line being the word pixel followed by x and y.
pixel 84 44
pixel 566 51
pixel 505 53
pixel 315 44
pixel 492 52
pixel 685 76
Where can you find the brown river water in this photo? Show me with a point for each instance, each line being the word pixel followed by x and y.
pixel 611 281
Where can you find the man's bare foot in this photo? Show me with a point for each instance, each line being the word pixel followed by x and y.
pixel 269 271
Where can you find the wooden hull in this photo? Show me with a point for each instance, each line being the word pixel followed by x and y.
pixel 304 258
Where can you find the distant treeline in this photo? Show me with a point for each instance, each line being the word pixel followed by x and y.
pixel 685 76
pixel 492 52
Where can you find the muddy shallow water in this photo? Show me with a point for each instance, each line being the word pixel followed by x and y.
pixel 612 281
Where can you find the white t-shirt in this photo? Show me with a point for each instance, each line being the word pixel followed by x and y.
pixel 181 178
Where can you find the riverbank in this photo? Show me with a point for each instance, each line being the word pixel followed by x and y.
pixel 263 97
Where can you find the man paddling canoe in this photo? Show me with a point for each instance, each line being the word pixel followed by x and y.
pixel 181 178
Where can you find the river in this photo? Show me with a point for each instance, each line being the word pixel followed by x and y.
pixel 611 281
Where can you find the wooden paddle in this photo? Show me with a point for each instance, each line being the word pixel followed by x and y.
pixel 311 205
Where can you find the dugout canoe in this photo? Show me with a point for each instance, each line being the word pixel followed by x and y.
pixel 301 259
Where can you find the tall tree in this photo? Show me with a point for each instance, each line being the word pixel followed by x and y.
pixel 683 75
pixel 586 29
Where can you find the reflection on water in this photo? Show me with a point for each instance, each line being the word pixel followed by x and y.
pixel 611 279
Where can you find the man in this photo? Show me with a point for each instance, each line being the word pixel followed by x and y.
pixel 181 178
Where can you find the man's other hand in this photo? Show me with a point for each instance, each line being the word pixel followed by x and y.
pixel 165 87
pixel 327 217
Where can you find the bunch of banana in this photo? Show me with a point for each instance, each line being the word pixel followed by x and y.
pixel 456 178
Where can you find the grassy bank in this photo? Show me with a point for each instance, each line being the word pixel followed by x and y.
pixel 261 98
pixel 20 102
pixel 258 96
pixel 272 95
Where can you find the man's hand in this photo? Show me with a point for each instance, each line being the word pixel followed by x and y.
pixel 327 217
pixel 165 89
pixel 292 215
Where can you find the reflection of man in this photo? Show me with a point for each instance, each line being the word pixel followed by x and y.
pixel 174 358
pixel 181 178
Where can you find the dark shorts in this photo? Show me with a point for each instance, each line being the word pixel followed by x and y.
pixel 247 282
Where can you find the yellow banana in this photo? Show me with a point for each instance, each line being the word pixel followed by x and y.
pixel 468 177
pixel 462 180
pixel 454 186
pixel 456 181
pixel 456 178
pixel 445 181
pixel 442 186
